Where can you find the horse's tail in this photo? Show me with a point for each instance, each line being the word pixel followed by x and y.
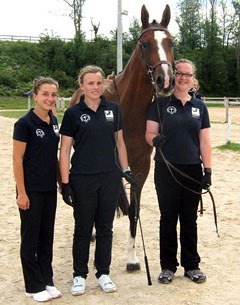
pixel 123 203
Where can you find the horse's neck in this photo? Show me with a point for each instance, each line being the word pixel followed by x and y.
pixel 134 81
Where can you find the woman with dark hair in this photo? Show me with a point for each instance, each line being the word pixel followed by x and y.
pixel 35 163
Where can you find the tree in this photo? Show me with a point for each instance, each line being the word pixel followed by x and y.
pixel 78 46
pixel 76 15
pixel 236 5
pixel 95 28
pixel 188 20
pixel 101 52
pixel 130 39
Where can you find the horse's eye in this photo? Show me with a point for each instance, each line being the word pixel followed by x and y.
pixel 145 45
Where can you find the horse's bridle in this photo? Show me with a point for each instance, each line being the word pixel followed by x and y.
pixel 151 68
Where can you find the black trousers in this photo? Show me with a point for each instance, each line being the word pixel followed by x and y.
pixel 178 203
pixel 37 232
pixel 96 198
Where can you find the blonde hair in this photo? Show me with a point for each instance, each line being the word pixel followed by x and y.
pixel 186 61
pixel 42 80
pixel 89 69
pixel 196 84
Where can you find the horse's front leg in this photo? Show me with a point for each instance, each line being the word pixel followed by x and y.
pixel 133 263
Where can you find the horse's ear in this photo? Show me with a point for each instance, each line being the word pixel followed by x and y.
pixel 144 17
pixel 166 17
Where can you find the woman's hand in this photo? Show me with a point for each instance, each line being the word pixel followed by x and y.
pixel 23 202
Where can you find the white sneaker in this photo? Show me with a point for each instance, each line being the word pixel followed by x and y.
pixel 78 286
pixel 54 293
pixel 106 284
pixel 42 296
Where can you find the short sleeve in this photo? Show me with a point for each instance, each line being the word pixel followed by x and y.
pixel 21 131
pixel 119 119
pixel 67 128
pixel 152 112
pixel 206 119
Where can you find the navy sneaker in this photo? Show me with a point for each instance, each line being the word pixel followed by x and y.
pixel 196 275
pixel 166 276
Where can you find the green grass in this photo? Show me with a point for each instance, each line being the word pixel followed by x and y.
pixel 15 114
pixel 14 102
pixel 12 114
pixel 209 105
pixel 17 106
pixel 230 146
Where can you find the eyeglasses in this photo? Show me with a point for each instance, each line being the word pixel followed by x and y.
pixel 180 74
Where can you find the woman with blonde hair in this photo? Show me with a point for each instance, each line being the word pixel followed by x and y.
pixel 92 183
pixel 178 126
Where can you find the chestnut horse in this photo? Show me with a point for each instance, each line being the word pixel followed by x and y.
pixel 148 73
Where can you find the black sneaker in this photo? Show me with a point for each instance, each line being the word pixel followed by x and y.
pixel 166 276
pixel 196 275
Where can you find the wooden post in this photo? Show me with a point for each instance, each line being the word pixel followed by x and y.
pixel 29 94
pixel 228 128
pixel 57 104
pixel 61 103
pixel 29 102
pixel 62 107
pixel 226 104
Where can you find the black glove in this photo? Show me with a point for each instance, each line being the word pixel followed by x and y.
pixel 206 179
pixel 159 140
pixel 192 91
pixel 130 178
pixel 67 194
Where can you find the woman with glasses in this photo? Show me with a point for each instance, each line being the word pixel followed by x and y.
pixel 178 126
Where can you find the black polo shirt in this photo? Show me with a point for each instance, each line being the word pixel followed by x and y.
pixel 181 126
pixel 94 136
pixel 40 158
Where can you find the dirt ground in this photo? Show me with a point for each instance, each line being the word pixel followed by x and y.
pixel 219 255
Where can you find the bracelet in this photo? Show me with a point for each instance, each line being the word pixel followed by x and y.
pixel 126 170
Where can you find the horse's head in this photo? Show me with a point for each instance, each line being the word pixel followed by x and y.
pixel 156 45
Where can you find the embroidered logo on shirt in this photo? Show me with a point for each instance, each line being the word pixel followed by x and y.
pixel 56 130
pixel 109 115
pixel 171 110
pixel 40 133
pixel 85 118
pixel 195 113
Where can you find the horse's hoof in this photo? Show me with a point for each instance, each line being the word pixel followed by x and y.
pixel 133 267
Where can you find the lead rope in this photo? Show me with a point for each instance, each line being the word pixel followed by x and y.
pixel 136 207
pixel 172 167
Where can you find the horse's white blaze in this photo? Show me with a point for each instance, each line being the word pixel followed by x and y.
pixel 159 36
pixel 132 257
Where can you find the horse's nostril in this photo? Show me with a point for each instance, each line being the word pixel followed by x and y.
pixel 160 81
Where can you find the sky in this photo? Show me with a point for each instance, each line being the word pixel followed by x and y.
pixel 33 18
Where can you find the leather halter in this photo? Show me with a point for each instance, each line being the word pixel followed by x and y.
pixel 151 68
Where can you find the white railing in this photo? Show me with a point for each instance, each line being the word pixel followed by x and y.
pixel 15 38
pixel 226 101
pixel 61 102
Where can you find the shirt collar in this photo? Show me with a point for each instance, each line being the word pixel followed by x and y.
pixel 83 106
pixel 37 120
pixel 191 101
